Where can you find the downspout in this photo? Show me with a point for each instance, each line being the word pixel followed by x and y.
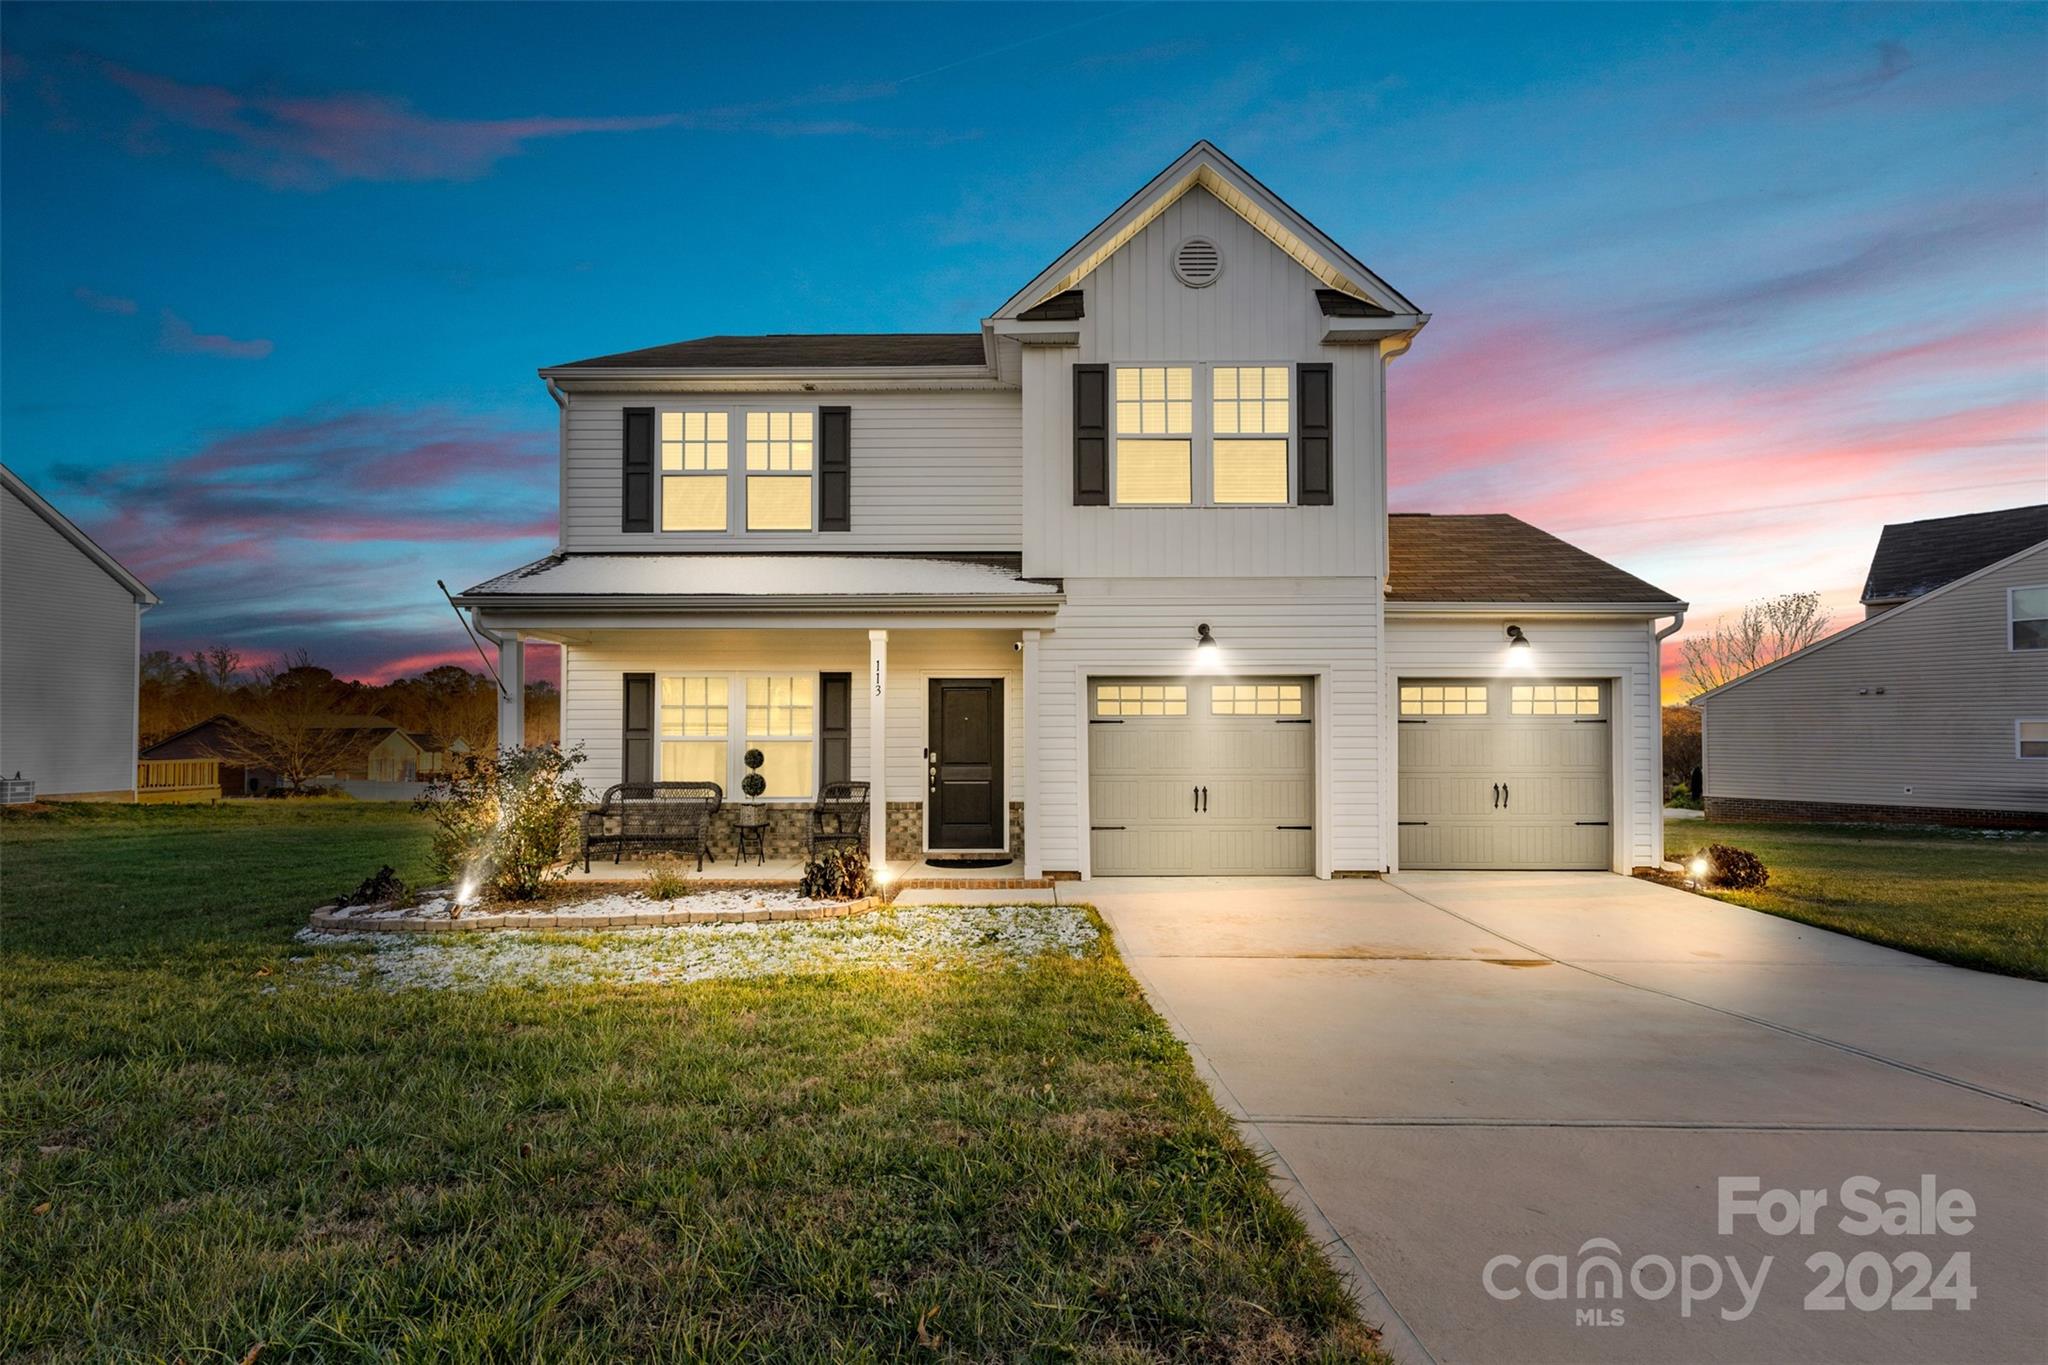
pixel 561 459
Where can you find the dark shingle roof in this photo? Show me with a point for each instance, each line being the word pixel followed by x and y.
pixel 1494 557
pixel 786 351
pixel 1915 557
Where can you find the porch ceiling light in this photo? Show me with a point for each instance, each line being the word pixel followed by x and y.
pixel 1203 639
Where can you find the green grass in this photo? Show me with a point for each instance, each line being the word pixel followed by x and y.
pixel 1973 898
pixel 208 1145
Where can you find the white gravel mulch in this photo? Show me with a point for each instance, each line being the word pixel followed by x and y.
pixel 909 938
pixel 726 901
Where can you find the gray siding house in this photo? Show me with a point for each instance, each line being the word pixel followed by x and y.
pixel 70 653
pixel 1933 709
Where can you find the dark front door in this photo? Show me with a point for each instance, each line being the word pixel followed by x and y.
pixel 964 765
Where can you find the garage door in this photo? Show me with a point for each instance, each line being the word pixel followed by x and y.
pixel 1201 777
pixel 1504 774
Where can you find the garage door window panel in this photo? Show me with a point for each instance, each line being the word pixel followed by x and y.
pixel 1554 699
pixel 1141 699
pixel 1443 699
pixel 1255 699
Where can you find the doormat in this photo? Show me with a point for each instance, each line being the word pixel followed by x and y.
pixel 965 863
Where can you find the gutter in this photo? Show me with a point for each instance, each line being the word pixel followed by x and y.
pixel 561 458
pixel 1033 604
pixel 1651 609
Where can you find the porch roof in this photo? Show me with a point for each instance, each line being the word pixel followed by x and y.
pixel 765 582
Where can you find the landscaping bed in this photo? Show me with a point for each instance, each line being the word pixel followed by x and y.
pixel 577 909
pixel 219 1136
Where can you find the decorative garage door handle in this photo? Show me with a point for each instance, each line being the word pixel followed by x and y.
pixel 1195 799
pixel 1505 796
pixel 1205 800
pixel 1496 796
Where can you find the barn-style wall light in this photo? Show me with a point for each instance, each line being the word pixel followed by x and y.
pixel 1517 640
pixel 1203 639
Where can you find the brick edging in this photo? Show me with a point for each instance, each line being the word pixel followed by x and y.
pixel 330 919
pixel 1740 809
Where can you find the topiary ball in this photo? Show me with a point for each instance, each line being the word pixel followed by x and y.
pixel 753 784
pixel 753 758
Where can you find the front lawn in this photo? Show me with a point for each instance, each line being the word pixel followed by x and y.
pixel 1971 897
pixel 216 1136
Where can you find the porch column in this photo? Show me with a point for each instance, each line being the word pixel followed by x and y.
pixel 512 703
pixel 1034 862
pixel 878 749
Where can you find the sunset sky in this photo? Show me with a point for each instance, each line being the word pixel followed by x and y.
pixel 1717 292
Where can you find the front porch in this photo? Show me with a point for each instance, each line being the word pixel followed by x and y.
pixel 894 874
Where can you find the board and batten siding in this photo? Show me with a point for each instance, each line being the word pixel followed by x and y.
pixel 1262 310
pixel 1323 628
pixel 1940 733
pixel 931 471
pixel 1622 651
pixel 69 662
pixel 593 690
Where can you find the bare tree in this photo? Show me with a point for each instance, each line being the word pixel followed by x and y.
pixel 287 722
pixel 1765 632
pixel 218 666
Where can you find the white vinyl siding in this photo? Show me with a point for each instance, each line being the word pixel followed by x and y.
pixel 1261 313
pixel 934 471
pixel 1916 707
pixel 1324 629
pixel 68 662
pixel 1621 654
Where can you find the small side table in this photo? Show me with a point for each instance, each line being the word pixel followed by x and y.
pixel 754 837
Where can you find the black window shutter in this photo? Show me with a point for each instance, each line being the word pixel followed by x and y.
pixel 835 727
pixel 636 734
pixel 1091 435
pixel 835 469
pixel 1314 483
pixel 637 469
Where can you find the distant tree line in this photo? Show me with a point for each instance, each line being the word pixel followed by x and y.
pixel 290 697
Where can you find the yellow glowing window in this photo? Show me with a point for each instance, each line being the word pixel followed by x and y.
pixel 778 503
pixel 1155 400
pixel 1554 699
pixel 781 712
pixel 695 719
pixel 1442 699
pixel 1250 400
pixel 1255 699
pixel 695 442
pixel 780 442
pixel 1155 472
pixel 693 502
pixel 1251 473
pixel 1141 699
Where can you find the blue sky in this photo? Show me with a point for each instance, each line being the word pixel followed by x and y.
pixel 1717 291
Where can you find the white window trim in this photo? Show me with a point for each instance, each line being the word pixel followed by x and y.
pixel 736 466
pixel 736 736
pixel 1201 436
pixel 2018 729
pixel 2013 618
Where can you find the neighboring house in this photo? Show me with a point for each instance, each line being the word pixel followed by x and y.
pixel 70 654
pixel 1933 709
pixel 217 737
pixel 437 755
pixel 1107 585
pixel 377 751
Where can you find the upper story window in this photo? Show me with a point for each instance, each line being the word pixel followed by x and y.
pixel 1155 424
pixel 780 448
pixel 695 450
pixel 1232 442
pixel 2030 738
pixel 2027 613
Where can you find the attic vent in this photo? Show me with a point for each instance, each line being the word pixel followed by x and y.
pixel 1197 263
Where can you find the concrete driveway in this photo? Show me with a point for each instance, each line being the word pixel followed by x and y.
pixel 1454 1070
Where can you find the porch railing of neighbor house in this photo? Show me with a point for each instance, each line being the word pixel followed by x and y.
pixel 177 779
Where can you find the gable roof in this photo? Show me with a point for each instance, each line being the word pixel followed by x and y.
pixel 1205 165
pixel 209 738
pixel 1879 621
pixel 1916 557
pixel 796 351
pixel 1495 558
pixel 64 527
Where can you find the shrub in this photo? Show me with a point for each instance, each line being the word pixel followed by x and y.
pixel 1733 869
pixel 505 820
pixel 665 877
pixel 838 874
pixel 380 887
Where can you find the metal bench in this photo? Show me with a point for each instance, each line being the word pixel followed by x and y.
pixel 840 816
pixel 675 814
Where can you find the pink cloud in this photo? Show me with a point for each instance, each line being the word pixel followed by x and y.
pixel 180 338
pixel 312 142
pixel 104 303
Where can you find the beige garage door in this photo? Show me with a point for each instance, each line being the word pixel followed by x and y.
pixel 1201 777
pixel 1504 773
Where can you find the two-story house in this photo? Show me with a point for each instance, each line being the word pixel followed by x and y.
pixel 1108 585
